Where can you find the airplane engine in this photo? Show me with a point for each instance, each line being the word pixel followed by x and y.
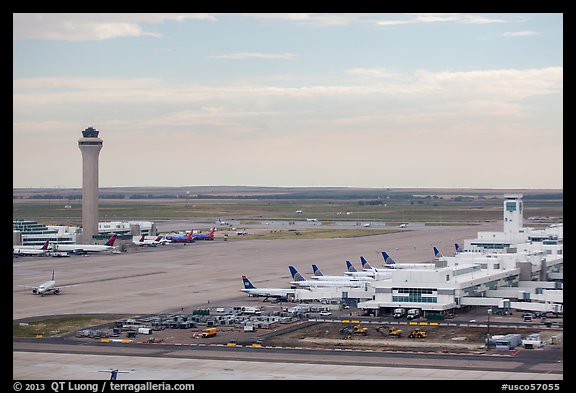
pixel 34 291
pixel 56 291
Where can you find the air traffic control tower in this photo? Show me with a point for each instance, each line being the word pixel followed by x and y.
pixel 90 146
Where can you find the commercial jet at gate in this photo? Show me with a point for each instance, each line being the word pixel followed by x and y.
pixel 30 250
pixel 86 248
pixel 300 281
pixel 180 238
pixel 47 287
pixel 204 236
pixel 318 275
pixel 351 271
pixel 278 293
pixel 391 264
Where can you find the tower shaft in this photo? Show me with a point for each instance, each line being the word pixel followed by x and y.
pixel 90 146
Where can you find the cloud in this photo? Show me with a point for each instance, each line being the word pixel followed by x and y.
pixel 90 27
pixel 440 18
pixel 519 33
pixel 255 55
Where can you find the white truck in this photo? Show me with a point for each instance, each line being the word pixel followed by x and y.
pixel 413 313
pixel 399 312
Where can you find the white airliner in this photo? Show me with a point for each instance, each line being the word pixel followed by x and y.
pixel 143 241
pixel 47 287
pixel 302 282
pixel 30 250
pixel 391 264
pixel 86 248
pixel 318 275
pixel 279 293
pixel 355 273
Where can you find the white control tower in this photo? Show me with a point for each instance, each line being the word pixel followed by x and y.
pixel 513 214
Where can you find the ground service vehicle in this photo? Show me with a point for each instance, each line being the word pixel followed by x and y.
pixel 393 332
pixel 413 313
pixel 399 313
pixel 209 332
pixel 417 333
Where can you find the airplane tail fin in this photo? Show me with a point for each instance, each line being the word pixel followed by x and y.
pixel 437 253
pixel 350 267
pixel 295 275
pixel 365 264
pixel 458 248
pixel 317 271
pixel 388 259
pixel 46 245
pixel 52 275
pixel 247 283
pixel 111 241
pixel 158 238
pixel 142 238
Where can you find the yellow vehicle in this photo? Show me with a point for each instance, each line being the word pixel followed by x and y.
pixel 393 332
pixel 361 330
pixel 209 332
pixel 417 333
pixel 232 343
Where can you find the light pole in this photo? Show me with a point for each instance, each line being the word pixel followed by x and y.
pixel 488 333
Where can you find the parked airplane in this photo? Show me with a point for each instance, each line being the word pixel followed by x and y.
pixel 458 248
pixel 278 293
pixel 30 250
pixel 302 282
pixel 204 236
pixel 114 372
pixel 437 253
pixel 355 273
pixel 47 287
pixel 391 264
pixel 149 242
pixel 318 275
pixel 86 248
pixel 180 238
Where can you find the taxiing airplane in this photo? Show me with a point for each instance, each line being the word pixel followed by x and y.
pixel 204 236
pixel 86 248
pixel 114 372
pixel 278 293
pixel 180 238
pixel 30 250
pixel 302 282
pixel 47 287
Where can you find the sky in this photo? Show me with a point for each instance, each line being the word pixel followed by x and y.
pixel 443 100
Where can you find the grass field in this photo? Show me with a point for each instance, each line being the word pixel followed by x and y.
pixel 57 326
pixel 55 213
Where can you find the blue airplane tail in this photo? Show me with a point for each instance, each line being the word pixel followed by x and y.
pixel 316 271
pixel 350 267
pixel 437 253
pixel 247 283
pixel 388 259
pixel 365 264
pixel 295 275
pixel 458 249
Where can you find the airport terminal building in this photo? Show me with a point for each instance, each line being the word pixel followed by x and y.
pixel 519 268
